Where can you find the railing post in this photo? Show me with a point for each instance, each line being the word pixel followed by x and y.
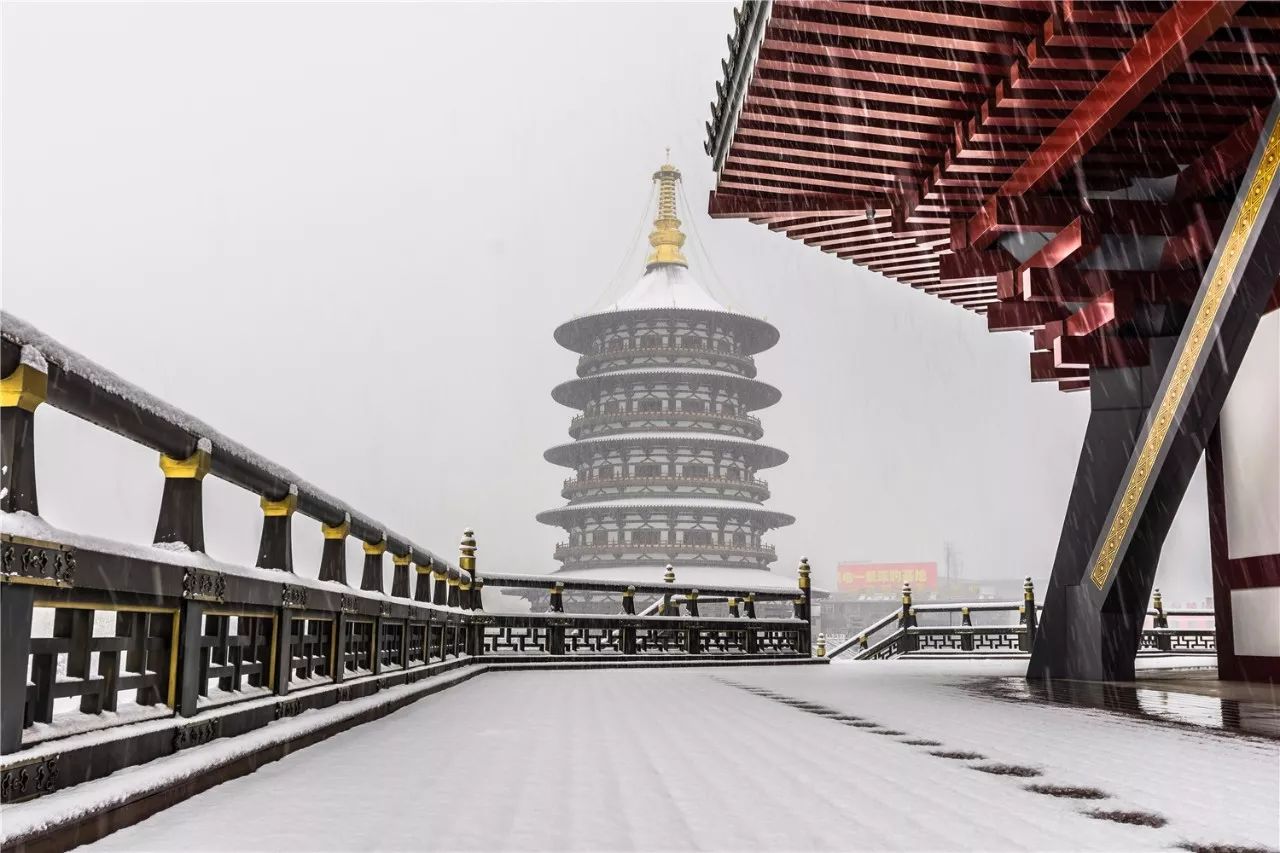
pixel 22 389
pixel 371 577
pixel 555 633
pixel 339 665
pixel 966 638
pixel 822 645
pixel 333 560
pixel 1029 615
pixel 275 550
pixel 909 641
pixel 629 631
pixel 733 607
pixel 440 585
pixel 466 562
pixel 190 653
pixel 753 635
pixel 422 583
pixel 16 601
pixel 400 574
pixel 668 577
pixel 477 606
pixel 692 635
pixel 455 580
pixel 181 518
pixel 1163 641
pixel 283 649
pixel 805 607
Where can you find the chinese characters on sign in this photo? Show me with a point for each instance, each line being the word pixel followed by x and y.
pixel 885 577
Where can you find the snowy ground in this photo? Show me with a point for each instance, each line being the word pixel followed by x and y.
pixel 684 759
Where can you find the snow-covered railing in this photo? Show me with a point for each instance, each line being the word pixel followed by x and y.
pixel 900 632
pixel 660 627
pixel 905 634
pixel 114 654
pixel 100 636
pixel 78 386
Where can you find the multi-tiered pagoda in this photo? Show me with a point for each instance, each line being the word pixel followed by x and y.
pixel 666 451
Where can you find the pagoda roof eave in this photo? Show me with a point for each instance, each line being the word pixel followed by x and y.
pixel 568 455
pixel 575 392
pixel 578 333
pixel 642 503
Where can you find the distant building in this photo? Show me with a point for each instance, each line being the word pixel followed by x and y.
pixel 666 452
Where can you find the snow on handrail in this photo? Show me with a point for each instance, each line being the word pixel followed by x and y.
pixel 82 387
pixel 656 588
pixel 866 632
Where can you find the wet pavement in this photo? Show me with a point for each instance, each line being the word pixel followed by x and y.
pixel 1191 697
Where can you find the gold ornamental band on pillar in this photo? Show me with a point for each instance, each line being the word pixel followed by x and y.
pixel 194 467
pixel 1158 427
pixel 25 388
pixel 281 508
pixel 337 531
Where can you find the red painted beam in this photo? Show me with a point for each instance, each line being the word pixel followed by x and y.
pixel 723 205
pixel 1022 316
pixel 1177 34
pixel 1043 368
pixel 1072 284
pixel 1008 215
pixel 1070 245
pixel 975 264
pixel 1098 350
pixel 1100 314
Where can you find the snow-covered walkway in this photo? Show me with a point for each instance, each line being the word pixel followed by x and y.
pixel 689 759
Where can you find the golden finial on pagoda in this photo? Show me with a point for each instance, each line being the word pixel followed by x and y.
pixel 666 236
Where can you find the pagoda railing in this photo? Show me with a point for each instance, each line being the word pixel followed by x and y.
pixel 749 425
pixel 116 653
pixel 745 363
pixel 574 486
pixel 566 551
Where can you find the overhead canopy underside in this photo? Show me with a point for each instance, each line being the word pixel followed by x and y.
pixel 1061 168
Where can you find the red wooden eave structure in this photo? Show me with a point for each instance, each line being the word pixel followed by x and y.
pixel 1063 168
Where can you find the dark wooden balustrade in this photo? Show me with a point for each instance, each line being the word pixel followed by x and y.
pixel 899 633
pixel 201 649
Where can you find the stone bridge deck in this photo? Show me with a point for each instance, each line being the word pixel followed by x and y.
pixel 883 756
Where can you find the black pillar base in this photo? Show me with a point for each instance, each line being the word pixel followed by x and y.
pixel 333 561
pixel 275 551
pixel 182 513
pixel 18 461
pixel 1076 638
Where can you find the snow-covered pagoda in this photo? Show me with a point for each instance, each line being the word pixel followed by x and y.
pixel 666 451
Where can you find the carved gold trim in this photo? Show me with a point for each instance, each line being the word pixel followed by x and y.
pixel 194 467
pixel 336 531
pixel 281 508
pixel 1188 357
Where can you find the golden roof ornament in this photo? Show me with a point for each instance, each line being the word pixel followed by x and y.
pixel 666 236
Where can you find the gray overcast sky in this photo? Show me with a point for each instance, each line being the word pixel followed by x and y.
pixel 343 234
